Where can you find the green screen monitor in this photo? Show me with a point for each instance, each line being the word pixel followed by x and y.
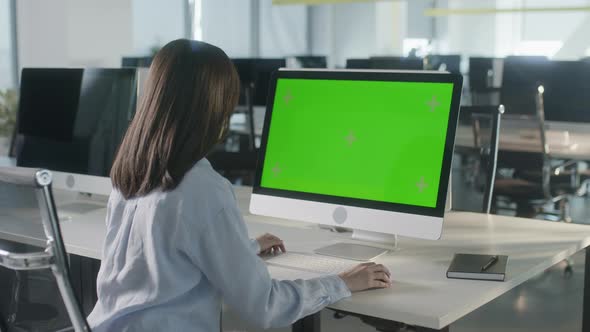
pixel 369 150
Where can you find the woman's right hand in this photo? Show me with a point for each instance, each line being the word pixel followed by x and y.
pixel 366 276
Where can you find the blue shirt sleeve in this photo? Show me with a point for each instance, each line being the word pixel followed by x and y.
pixel 224 254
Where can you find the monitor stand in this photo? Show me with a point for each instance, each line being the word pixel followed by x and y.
pixel 361 252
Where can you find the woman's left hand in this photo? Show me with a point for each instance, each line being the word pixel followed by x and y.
pixel 270 244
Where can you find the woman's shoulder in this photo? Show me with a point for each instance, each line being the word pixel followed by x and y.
pixel 202 185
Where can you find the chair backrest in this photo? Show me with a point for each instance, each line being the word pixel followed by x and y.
pixel 488 148
pixel 536 161
pixel 546 168
pixel 54 256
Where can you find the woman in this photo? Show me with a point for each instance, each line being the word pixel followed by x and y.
pixel 176 242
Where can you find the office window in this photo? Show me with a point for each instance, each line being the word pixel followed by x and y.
pixel 6 52
pixel 196 10
pixel 547 48
pixel 416 47
pixel 8 98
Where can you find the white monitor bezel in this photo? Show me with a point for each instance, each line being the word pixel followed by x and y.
pixel 399 219
pixel 80 183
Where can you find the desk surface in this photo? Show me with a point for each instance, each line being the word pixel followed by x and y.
pixel 421 293
pixel 514 139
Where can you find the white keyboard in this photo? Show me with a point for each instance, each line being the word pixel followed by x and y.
pixel 312 263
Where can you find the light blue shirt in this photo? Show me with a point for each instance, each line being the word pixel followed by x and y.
pixel 170 258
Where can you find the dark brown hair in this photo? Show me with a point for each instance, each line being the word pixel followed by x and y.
pixel 191 90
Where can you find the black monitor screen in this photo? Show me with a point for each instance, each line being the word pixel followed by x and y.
pixel 398 63
pixel 566 85
pixel 520 80
pixel 258 72
pixel 311 61
pixel 388 62
pixel 567 92
pixel 137 62
pixel 72 120
pixel 358 64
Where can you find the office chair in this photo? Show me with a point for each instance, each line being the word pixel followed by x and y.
pixel 54 256
pixel 487 146
pixel 536 182
pixel 235 158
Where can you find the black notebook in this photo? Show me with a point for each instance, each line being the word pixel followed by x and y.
pixel 478 267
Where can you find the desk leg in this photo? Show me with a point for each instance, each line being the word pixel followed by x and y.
pixel 586 303
pixel 310 323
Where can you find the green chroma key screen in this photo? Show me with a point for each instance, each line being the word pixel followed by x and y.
pixel 373 140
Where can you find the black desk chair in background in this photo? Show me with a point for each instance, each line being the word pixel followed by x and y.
pixel 236 157
pixel 535 181
pixel 54 256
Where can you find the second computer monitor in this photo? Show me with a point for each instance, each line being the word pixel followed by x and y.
pixel 73 120
pixel 257 72
pixel 365 150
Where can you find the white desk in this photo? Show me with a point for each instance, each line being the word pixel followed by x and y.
pixel 513 139
pixel 421 294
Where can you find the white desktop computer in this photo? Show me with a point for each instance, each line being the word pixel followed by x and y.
pixel 366 150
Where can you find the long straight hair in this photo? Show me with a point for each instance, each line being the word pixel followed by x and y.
pixel 191 91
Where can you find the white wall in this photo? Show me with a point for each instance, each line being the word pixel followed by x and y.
pixel 156 22
pixel 5 46
pixel 98 32
pixel 391 26
pixel 226 23
pixel 344 31
pixel 354 31
pixel 506 33
pixel 90 33
pixel 358 30
pixel 283 30
pixel 63 33
pixel 42 30
pixel 471 34
pixel 320 18
pixel 231 24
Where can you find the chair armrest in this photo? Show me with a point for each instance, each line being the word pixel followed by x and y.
pixel 19 176
pixel 26 261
